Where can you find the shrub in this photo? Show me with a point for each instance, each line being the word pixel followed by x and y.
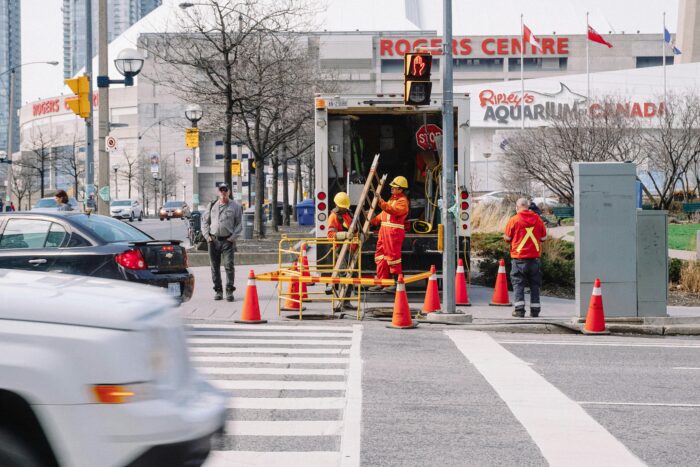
pixel 674 270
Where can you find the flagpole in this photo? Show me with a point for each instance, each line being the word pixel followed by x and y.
pixel 522 73
pixel 588 65
pixel 663 54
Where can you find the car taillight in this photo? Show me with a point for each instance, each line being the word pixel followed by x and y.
pixel 131 259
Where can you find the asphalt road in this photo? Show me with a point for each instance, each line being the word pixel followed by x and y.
pixel 343 393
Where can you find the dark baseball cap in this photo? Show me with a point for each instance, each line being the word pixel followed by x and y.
pixel 223 187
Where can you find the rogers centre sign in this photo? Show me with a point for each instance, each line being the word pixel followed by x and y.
pixel 466 46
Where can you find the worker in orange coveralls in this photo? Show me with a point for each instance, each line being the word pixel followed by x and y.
pixel 391 233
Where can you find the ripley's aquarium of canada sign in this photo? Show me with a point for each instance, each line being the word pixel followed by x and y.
pixel 502 109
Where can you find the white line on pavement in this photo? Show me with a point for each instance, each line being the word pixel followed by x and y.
pixel 268 459
pixel 235 340
pixel 267 327
pixel 562 430
pixel 286 403
pixel 279 385
pixel 276 350
pixel 645 404
pixel 272 371
pixel 225 333
pixel 602 344
pixel 350 444
pixel 282 360
pixel 284 428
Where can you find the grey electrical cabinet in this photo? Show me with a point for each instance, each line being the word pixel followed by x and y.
pixel 652 263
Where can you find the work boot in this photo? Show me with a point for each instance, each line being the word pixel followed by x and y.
pixel 519 313
pixel 218 296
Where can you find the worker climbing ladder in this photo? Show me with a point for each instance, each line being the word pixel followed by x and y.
pixel 359 227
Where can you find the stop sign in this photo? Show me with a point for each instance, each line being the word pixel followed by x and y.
pixel 425 136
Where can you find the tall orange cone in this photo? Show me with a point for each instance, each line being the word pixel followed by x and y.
pixel 595 318
pixel 432 294
pixel 304 271
pixel 293 301
pixel 500 291
pixel 251 307
pixel 401 319
pixel 461 294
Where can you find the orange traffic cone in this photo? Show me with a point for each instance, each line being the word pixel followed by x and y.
pixel 461 294
pixel 595 318
pixel 304 271
pixel 251 307
pixel 500 291
pixel 293 301
pixel 432 295
pixel 401 319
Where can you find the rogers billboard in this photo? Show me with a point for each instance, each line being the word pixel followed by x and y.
pixel 481 46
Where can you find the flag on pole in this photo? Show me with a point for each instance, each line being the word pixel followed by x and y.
pixel 595 37
pixel 672 43
pixel 529 37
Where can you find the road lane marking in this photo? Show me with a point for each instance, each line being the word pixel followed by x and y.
pixel 279 385
pixel 601 344
pixel 350 442
pixel 235 340
pixel 275 360
pixel 271 371
pixel 287 403
pixel 270 327
pixel 225 333
pixel 267 459
pixel 277 350
pixel 284 428
pixel 564 432
pixel 643 404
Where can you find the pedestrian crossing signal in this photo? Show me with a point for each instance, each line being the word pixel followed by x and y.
pixel 417 85
pixel 80 103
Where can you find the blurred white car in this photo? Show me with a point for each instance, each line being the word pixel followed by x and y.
pixel 95 372
pixel 126 209
pixel 50 205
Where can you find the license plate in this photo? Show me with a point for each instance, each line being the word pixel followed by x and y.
pixel 174 289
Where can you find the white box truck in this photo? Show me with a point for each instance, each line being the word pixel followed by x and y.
pixel 351 129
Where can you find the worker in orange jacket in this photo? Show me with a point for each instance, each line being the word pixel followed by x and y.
pixel 391 232
pixel 340 219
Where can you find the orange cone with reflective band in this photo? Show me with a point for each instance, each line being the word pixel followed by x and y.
pixel 461 294
pixel 304 271
pixel 500 291
pixel 595 319
pixel 251 307
pixel 293 301
pixel 432 295
pixel 401 319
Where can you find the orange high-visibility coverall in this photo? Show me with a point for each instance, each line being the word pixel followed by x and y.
pixel 391 235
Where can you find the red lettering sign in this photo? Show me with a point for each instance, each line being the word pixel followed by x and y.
pixel 425 137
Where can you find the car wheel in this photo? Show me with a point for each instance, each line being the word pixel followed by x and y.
pixel 14 452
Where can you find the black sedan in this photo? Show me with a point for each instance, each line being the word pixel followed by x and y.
pixel 92 245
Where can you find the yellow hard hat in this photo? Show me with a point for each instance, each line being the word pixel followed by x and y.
pixel 399 182
pixel 342 200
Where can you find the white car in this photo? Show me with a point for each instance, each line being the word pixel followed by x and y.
pixel 126 209
pixel 95 372
pixel 50 205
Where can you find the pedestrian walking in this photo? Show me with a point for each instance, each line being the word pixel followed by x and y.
pixel 525 233
pixel 61 198
pixel 220 227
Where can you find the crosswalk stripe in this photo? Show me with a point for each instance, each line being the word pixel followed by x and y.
pixel 268 459
pixel 275 327
pixel 206 340
pixel 279 385
pixel 275 360
pixel 272 371
pixel 284 428
pixel 280 350
pixel 257 334
pixel 287 403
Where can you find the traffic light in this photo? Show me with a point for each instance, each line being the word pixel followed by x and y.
pixel 416 78
pixel 80 103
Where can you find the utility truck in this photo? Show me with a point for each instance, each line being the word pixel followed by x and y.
pixel 351 129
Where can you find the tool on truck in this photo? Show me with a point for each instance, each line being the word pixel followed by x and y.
pixel 351 130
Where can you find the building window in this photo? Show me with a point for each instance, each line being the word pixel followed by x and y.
pixel 644 62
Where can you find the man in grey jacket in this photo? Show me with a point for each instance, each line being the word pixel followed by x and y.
pixel 220 227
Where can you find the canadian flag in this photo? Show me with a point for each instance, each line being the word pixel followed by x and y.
pixel 530 38
pixel 595 37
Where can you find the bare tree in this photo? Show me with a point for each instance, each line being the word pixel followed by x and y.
pixel 673 146
pixel 39 155
pixel 69 162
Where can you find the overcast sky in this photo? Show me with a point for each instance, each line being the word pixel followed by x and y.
pixel 42 34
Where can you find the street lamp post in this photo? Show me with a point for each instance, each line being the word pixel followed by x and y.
pixel 194 114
